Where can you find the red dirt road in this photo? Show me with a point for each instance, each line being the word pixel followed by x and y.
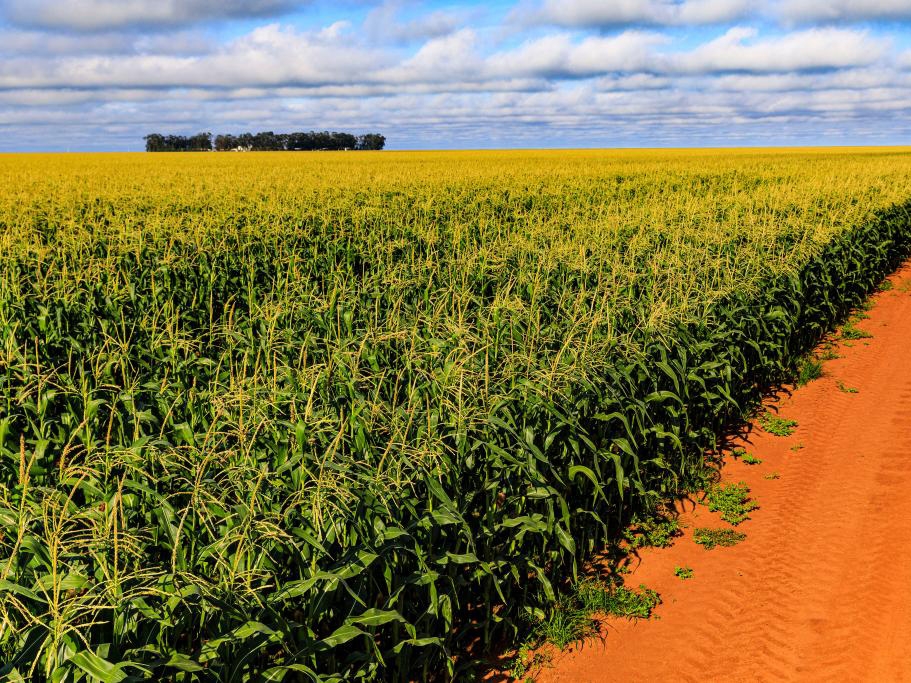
pixel 821 588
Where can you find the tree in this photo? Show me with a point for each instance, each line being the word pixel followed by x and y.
pixel 300 142
pixel 343 141
pixel 202 142
pixel 264 141
pixel 371 141
pixel 154 142
pixel 225 143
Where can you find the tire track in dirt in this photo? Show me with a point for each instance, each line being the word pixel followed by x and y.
pixel 821 588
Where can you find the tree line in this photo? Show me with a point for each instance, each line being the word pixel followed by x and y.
pixel 264 142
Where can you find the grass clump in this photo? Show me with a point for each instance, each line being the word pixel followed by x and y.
pixel 846 389
pixel 712 538
pixel 777 426
pixel 683 573
pixel 732 501
pixel 852 332
pixel 568 622
pixel 572 618
pixel 620 601
pixel 810 368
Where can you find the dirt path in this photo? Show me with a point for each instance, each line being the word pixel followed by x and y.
pixel 821 588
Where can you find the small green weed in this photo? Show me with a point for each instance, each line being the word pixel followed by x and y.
pixel 712 538
pixel 886 286
pixel 846 389
pixel 683 573
pixel 657 532
pixel 732 501
pixel 567 623
pixel 526 661
pixel 748 458
pixel 828 354
pixel 596 596
pixel 777 426
pixel 810 368
pixel 849 331
pixel 797 447
pixel 772 475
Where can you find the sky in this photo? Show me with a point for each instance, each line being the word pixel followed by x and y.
pixel 96 75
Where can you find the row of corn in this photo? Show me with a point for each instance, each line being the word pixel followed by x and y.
pixel 280 417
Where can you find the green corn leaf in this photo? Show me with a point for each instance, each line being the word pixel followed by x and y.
pixel 375 617
pixel 342 635
pixel 97 668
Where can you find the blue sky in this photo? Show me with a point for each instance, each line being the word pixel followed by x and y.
pixel 99 74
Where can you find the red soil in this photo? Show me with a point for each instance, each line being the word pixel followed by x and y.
pixel 821 588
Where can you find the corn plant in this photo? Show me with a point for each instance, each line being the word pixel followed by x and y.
pixel 329 418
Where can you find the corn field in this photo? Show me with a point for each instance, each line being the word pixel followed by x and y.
pixel 331 417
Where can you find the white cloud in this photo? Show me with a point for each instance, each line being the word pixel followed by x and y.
pixel 813 49
pixel 93 15
pixel 842 10
pixel 560 56
pixel 268 56
pixel 18 42
pixel 275 56
pixel 445 59
pixel 606 14
pixel 384 23
pixel 601 13
pixel 849 79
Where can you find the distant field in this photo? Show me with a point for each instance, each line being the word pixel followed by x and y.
pixel 335 416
